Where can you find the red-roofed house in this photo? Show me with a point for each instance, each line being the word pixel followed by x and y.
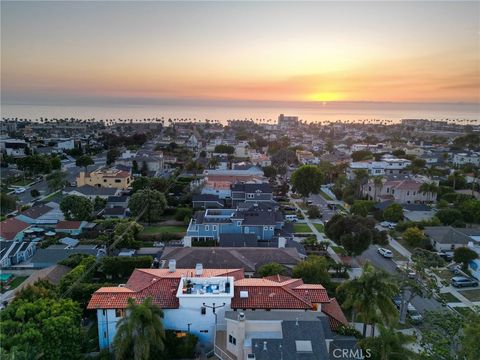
pixel 13 229
pixel 188 295
pixel 70 227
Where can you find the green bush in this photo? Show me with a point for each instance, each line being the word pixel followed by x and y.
pixel 122 267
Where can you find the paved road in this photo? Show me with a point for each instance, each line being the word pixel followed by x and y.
pixel 421 304
pixel 322 204
pixel 72 172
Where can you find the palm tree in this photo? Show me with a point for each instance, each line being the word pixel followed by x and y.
pixel 429 189
pixel 370 297
pixel 377 184
pixel 389 345
pixel 140 335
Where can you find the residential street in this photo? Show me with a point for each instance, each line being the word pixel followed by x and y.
pixel 421 304
pixel 72 172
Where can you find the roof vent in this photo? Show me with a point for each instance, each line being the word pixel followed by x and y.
pixel 241 316
pixel 198 269
pixel 121 285
pixel 172 265
pixel 264 346
pixel 243 294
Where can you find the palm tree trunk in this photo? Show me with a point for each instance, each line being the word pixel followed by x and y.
pixel 364 329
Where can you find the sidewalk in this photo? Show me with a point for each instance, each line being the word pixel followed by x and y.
pixel 399 248
pixel 354 272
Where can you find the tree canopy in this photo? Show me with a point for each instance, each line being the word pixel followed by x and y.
pixel 148 203
pixel 393 212
pixel 76 207
pixel 307 179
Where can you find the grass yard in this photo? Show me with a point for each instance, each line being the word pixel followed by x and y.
pixel 153 230
pixel 319 227
pixel 472 295
pixel 301 228
pixel 325 196
pixel 444 274
pixel 53 196
pixel 465 311
pixel 14 283
pixel 448 297
pixel 338 250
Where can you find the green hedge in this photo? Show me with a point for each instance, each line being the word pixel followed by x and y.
pixel 122 267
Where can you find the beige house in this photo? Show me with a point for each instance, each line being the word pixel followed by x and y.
pixel 108 178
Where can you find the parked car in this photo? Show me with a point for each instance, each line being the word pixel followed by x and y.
pixel 309 202
pixel 20 190
pixel 385 253
pixel 446 255
pixel 454 268
pixel 292 218
pixel 463 281
pixel 388 224
pixel 413 314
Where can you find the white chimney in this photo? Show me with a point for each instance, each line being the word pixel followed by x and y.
pixel 264 346
pixel 198 269
pixel 241 316
pixel 172 265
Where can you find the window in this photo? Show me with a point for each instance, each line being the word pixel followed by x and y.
pixel 104 312
pixel 119 312
pixel 246 229
pixel 239 223
pixel 271 227
pixel 207 227
pixel 203 310
pixel 232 340
pixel 214 227
pixel 204 331
pixel 104 180
pixel 250 196
pixel 265 228
pixel 118 180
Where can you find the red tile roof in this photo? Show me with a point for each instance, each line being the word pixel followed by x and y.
pixel 9 228
pixel 272 292
pixel 335 314
pixel 159 284
pixel 68 225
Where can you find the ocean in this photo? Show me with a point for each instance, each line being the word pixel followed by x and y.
pixel 462 113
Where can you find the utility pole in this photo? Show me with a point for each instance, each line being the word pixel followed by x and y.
pixel 214 307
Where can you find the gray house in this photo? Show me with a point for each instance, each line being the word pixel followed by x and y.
pixel 448 238
pixel 251 193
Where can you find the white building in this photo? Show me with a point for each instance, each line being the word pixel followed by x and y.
pixel 388 166
pixel 466 158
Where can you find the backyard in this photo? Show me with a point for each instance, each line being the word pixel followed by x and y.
pixel 167 229
pixel 13 284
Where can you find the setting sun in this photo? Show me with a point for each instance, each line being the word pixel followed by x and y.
pixel 325 96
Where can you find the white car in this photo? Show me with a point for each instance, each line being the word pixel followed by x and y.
pixel 385 253
pixel 20 190
pixel 388 224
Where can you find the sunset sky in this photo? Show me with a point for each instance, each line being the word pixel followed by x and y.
pixel 73 52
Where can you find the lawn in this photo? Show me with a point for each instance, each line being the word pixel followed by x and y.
pixel 325 196
pixel 338 250
pixel 153 230
pixel 319 227
pixel 57 195
pixel 15 283
pixel 465 311
pixel 444 274
pixel 472 295
pixel 448 297
pixel 301 228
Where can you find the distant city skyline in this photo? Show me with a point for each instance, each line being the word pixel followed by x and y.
pixel 81 53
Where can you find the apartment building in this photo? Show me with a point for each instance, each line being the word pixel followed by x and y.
pixel 107 178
